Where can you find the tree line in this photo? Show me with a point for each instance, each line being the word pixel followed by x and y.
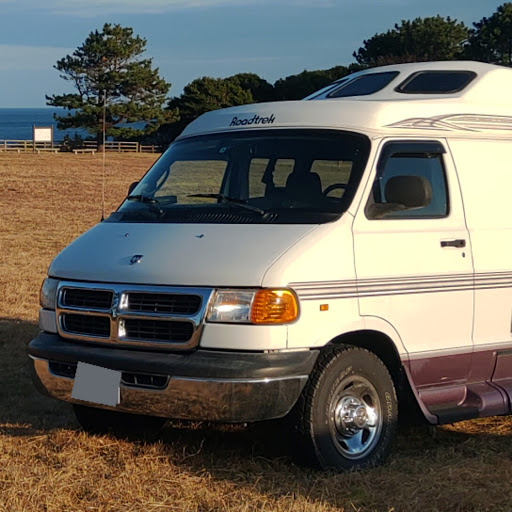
pixel 116 87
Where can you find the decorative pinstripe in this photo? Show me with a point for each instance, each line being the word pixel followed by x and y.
pixel 457 122
pixel 320 290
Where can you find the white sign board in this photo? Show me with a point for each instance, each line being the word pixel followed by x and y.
pixel 43 133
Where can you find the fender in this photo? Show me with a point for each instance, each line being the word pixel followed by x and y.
pixel 357 324
pixel 376 323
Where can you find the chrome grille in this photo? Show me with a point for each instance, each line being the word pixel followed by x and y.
pixel 163 303
pixel 81 298
pixel 132 315
pixel 88 325
pixel 157 330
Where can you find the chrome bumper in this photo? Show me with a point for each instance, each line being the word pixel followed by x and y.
pixel 208 399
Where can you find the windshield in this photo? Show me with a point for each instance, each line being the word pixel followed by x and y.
pixel 260 176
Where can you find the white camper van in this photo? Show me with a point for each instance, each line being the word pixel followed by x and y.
pixel 324 259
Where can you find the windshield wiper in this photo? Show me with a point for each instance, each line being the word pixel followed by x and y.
pixel 242 203
pixel 149 201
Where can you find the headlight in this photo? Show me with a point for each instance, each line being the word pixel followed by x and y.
pixel 265 306
pixel 48 293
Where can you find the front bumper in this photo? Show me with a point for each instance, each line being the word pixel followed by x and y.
pixel 201 385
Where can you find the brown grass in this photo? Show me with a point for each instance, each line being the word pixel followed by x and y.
pixel 48 464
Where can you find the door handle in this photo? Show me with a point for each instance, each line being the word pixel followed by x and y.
pixel 460 243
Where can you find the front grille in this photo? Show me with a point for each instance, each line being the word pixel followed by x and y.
pixel 157 330
pixel 84 298
pixel 86 325
pixel 163 303
pixel 132 315
pixel 139 380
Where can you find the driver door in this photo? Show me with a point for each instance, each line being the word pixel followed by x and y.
pixel 414 268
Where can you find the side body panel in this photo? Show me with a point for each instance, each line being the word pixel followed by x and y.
pixel 484 167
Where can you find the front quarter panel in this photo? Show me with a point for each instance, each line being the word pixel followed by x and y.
pixel 320 269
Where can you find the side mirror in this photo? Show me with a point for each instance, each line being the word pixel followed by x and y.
pixel 132 186
pixel 409 191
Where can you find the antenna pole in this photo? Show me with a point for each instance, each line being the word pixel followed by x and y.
pixel 103 164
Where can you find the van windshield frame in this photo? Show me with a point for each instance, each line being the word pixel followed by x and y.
pixel 278 176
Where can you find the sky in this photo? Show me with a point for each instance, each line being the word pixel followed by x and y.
pixel 188 39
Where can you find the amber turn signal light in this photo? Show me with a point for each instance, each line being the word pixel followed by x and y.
pixel 274 307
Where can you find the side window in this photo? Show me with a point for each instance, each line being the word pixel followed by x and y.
pixel 410 183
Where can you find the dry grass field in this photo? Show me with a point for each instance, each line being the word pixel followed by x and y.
pixel 48 464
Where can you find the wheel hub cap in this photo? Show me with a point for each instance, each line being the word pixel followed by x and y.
pixel 355 419
pixel 351 416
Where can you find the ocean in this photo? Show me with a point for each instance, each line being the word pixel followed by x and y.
pixel 16 123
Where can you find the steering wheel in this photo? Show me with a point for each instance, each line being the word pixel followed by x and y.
pixel 332 187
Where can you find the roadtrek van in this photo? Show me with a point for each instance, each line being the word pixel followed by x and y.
pixel 341 260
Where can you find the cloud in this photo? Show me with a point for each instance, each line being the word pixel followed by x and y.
pixel 29 57
pixel 93 8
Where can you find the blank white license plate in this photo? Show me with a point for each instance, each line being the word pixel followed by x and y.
pixel 96 385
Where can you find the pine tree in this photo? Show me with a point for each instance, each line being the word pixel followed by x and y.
pixel 108 70
pixel 419 40
pixel 491 38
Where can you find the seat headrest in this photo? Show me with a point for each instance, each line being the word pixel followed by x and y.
pixel 411 191
pixel 304 185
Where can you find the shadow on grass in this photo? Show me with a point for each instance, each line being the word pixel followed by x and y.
pixel 439 469
pixel 23 410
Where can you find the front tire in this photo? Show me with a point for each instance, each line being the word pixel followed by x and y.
pixel 348 410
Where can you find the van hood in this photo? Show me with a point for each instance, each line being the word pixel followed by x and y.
pixel 176 254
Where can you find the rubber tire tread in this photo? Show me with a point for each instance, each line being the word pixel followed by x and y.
pixel 303 417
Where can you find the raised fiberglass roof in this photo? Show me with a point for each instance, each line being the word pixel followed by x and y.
pixel 465 97
pixel 461 79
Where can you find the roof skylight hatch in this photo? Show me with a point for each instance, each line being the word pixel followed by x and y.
pixel 363 85
pixel 436 82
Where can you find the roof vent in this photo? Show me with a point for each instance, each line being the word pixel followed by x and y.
pixel 363 85
pixel 436 82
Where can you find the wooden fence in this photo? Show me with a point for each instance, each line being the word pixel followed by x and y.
pixel 26 146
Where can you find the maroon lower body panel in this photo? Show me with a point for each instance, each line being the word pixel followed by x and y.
pixel 457 387
pixel 502 375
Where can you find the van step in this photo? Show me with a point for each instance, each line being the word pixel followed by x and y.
pixel 452 414
pixel 481 399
